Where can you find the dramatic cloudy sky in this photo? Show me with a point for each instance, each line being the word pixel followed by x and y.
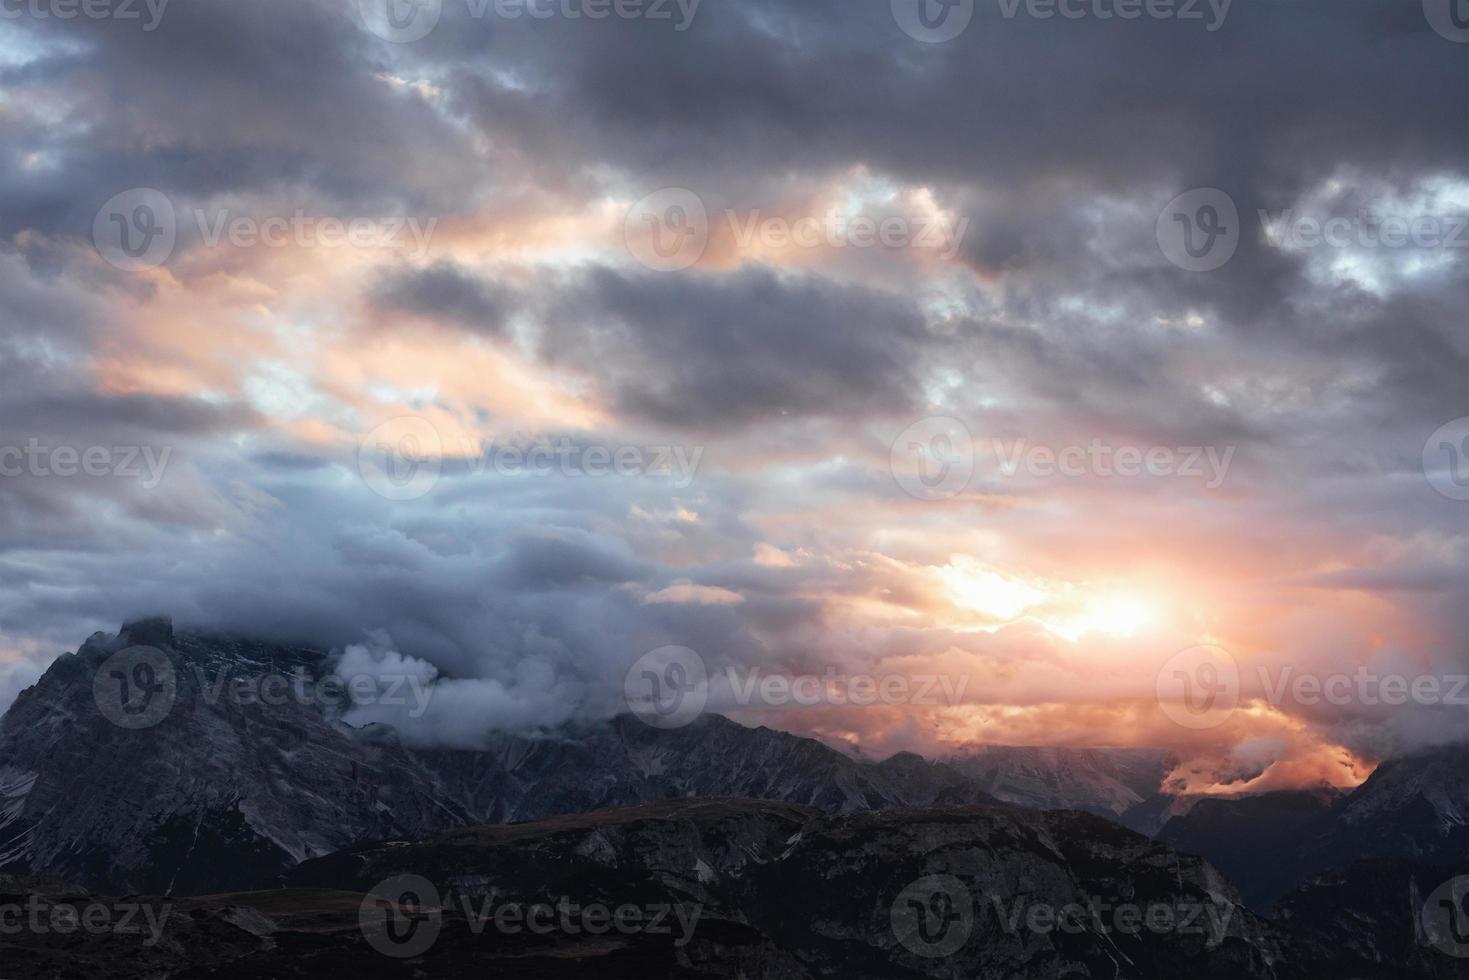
pixel 1045 303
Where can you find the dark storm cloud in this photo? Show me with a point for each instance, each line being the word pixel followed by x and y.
pixel 446 292
pixel 1059 140
pixel 222 98
pixel 706 351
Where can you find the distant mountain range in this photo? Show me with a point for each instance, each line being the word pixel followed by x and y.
pixel 218 794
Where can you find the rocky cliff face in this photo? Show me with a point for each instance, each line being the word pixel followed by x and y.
pixel 1108 782
pixel 1255 840
pixel 783 891
pixel 1412 812
pixel 218 791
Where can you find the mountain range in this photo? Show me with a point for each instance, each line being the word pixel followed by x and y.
pixel 263 810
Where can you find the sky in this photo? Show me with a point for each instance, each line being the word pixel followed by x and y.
pixel 1066 355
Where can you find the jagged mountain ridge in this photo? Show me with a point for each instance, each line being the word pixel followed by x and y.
pixel 1106 781
pixel 1411 811
pixel 221 795
pixel 792 892
pixel 216 790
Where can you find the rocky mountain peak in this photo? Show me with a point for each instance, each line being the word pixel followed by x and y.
pixel 148 631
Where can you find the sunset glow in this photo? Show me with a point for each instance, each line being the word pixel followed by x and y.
pixel 537 371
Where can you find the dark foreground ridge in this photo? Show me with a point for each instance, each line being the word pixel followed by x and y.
pixel 727 889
